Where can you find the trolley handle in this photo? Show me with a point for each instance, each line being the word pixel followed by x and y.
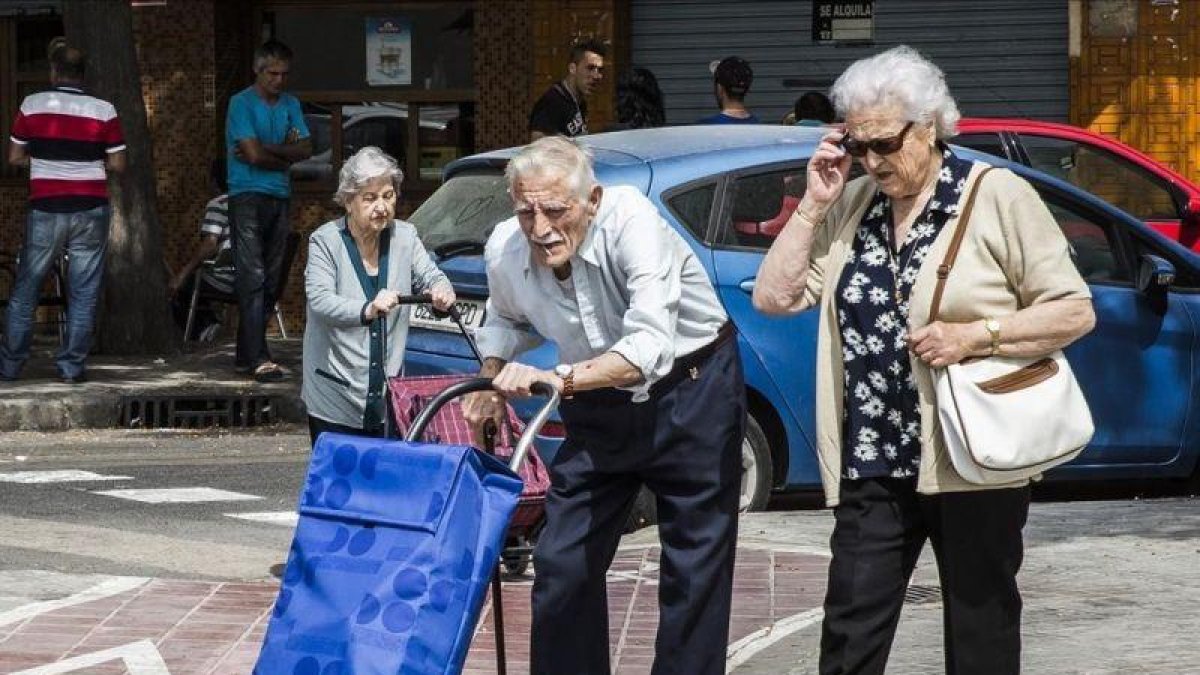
pixel 485 384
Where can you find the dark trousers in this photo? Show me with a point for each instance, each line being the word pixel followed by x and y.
pixel 685 445
pixel 880 528
pixel 258 233
pixel 318 426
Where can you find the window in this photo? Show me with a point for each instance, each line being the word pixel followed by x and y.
pixel 410 93
pixel 693 207
pixel 1114 179
pixel 760 205
pixel 445 134
pixel 1092 242
pixel 463 212
pixel 983 142
pixel 28 73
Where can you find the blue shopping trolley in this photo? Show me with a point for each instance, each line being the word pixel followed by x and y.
pixel 392 555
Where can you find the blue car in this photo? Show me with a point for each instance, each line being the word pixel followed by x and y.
pixel 729 191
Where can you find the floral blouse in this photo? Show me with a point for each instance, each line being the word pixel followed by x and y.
pixel 882 421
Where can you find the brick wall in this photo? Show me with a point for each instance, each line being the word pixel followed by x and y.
pixel 503 73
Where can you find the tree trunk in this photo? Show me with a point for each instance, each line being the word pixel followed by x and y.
pixel 132 317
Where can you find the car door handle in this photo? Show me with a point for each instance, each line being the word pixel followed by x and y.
pixel 747 285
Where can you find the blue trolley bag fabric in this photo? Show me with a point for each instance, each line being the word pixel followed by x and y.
pixel 391 559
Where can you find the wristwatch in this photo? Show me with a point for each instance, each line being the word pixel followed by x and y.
pixel 566 373
pixel 993 328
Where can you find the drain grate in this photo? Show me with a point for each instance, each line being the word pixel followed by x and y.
pixel 922 595
pixel 196 412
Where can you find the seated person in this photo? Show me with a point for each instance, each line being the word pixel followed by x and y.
pixel 218 278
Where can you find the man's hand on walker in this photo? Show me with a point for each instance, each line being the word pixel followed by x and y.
pixel 442 296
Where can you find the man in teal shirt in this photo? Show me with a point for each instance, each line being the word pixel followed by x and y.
pixel 265 134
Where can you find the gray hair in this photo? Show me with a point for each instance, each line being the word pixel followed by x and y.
pixel 898 77
pixel 363 167
pixel 271 49
pixel 554 157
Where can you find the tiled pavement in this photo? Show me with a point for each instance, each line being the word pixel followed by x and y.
pixel 209 628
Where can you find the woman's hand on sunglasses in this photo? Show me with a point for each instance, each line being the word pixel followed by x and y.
pixel 827 173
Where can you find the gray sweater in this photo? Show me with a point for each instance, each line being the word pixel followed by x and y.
pixel 336 342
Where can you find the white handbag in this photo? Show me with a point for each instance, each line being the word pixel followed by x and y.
pixel 1004 418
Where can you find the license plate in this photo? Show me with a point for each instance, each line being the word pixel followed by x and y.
pixel 471 312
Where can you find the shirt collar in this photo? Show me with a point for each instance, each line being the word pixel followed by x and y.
pixel 951 181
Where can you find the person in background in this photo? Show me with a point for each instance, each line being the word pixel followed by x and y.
pixel 732 77
pixel 213 246
pixel 358 267
pixel 69 140
pixel 265 133
pixel 562 110
pixel 813 109
pixel 868 253
pixel 639 101
pixel 652 394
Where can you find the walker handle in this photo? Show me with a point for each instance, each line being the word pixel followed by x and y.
pixel 485 384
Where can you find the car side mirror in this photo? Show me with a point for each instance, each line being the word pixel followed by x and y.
pixel 1191 213
pixel 1155 275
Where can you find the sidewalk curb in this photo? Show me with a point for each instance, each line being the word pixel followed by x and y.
pixel 101 409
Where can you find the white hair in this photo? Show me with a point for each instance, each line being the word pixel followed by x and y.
pixel 554 157
pixel 903 78
pixel 363 167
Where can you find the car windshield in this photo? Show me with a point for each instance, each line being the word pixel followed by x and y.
pixel 466 209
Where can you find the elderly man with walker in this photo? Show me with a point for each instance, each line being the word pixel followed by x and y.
pixel 653 395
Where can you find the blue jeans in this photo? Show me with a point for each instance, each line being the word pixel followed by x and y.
pixel 258 233
pixel 83 235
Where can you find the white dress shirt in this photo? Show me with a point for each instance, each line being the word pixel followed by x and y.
pixel 636 289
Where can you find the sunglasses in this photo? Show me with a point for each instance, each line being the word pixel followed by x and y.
pixel 879 146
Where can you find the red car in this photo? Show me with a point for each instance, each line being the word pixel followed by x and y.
pixel 1122 176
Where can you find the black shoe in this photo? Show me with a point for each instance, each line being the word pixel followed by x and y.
pixel 6 378
pixel 75 379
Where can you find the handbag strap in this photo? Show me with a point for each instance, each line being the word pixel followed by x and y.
pixel 960 229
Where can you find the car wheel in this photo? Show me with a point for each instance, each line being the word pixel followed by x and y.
pixel 757 468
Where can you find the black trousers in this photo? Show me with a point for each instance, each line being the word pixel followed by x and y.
pixel 258 234
pixel 318 426
pixel 881 526
pixel 685 446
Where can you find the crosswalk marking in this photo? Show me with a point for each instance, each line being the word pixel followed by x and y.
pixel 286 518
pixel 187 495
pixel 64 476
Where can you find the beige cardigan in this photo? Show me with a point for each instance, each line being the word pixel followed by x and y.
pixel 1013 255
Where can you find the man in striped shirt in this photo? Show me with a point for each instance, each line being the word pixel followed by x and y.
pixel 68 140
pixel 218 277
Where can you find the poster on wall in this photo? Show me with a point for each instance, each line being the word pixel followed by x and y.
pixel 848 22
pixel 389 52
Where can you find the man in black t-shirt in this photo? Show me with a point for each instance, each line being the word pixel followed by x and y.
pixel 562 109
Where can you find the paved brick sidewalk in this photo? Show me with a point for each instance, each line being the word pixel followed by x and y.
pixel 210 628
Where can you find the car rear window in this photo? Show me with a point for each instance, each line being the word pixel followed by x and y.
pixel 464 209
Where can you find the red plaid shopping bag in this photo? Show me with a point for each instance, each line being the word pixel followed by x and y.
pixel 410 395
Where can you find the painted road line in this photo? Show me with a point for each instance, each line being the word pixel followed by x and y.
pixel 140 658
pixel 188 495
pixel 104 589
pixel 284 518
pixel 65 476
pixel 746 648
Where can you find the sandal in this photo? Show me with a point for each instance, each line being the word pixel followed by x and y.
pixel 268 372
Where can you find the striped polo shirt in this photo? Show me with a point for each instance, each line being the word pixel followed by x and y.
pixel 67 135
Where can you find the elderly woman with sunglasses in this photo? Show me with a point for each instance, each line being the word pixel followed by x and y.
pixel 358 267
pixel 866 253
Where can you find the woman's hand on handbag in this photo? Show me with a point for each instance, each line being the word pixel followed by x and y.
pixel 942 343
